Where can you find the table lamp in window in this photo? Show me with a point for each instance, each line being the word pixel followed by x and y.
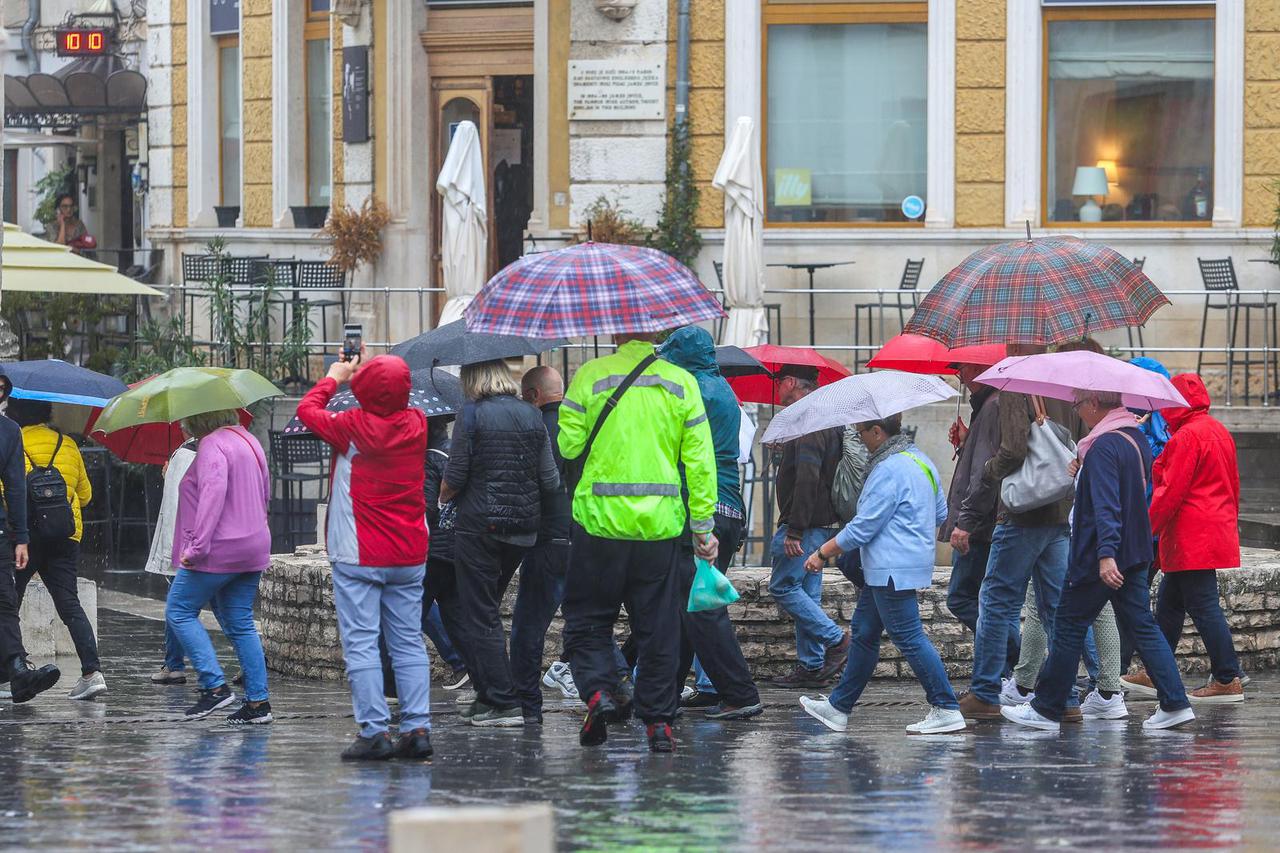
pixel 1090 181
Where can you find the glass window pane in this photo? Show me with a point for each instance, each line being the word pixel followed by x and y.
pixel 229 121
pixel 846 121
pixel 319 5
pixel 1136 98
pixel 319 121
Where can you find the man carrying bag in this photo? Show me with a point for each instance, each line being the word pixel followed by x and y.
pixel 627 421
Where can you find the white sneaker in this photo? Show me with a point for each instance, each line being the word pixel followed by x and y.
pixel 687 692
pixel 89 686
pixel 820 709
pixel 559 677
pixel 1025 715
pixel 1094 707
pixel 1163 719
pixel 1011 696
pixel 939 721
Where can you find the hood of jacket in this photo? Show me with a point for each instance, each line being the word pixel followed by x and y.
pixel 382 385
pixel 692 348
pixel 1191 386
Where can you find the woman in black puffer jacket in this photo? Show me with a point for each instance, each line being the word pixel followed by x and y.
pixel 500 471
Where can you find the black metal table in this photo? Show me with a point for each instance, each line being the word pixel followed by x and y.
pixel 811 269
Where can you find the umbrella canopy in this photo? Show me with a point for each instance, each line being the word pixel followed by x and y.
pixel 1059 374
pixel 592 289
pixel 55 381
pixel 38 266
pixel 856 399
pixel 464 236
pixel 146 444
pixel 183 392
pixel 434 392
pixel 918 354
pixel 764 389
pixel 735 361
pixel 738 177
pixel 1040 292
pixel 453 344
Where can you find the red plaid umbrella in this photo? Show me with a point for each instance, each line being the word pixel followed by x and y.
pixel 591 289
pixel 763 389
pixel 1043 292
pixel 918 354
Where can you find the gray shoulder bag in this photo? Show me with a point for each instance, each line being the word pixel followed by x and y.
pixel 1043 478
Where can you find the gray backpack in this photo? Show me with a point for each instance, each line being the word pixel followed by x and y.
pixel 851 472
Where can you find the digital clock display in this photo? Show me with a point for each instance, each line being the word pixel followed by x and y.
pixel 83 42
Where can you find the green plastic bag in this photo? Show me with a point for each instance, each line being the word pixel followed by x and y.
pixel 711 589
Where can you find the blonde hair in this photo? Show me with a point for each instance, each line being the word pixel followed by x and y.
pixel 198 426
pixel 487 379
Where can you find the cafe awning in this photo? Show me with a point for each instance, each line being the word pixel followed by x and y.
pixel 90 86
pixel 38 266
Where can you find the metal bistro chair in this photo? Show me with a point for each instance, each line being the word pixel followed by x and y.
pixel 129 479
pixel 298 460
pixel 772 310
pixel 1219 277
pixel 98 464
pixel 1142 346
pixel 908 286
pixel 196 270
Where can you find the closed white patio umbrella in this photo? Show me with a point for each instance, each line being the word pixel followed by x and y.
pixel 464 239
pixel 738 177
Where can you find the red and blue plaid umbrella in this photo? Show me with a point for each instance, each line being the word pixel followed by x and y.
pixel 1043 292
pixel 591 289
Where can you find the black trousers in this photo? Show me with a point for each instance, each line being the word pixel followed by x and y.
pixel 603 575
pixel 709 633
pixel 57 561
pixel 10 629
pixel 484 568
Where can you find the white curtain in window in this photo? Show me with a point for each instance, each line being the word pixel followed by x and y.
pixel 1132 50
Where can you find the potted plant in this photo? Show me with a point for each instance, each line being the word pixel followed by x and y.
pixel 227 214
pixel 309 215
pixel 356 234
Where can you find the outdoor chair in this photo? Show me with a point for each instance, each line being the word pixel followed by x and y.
pixel 908 292
pixel 1142 346
pixel 1221 284
pixel 98 463
pixel 295 462
pixel 130 481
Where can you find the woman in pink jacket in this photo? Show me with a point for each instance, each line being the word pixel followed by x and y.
pixel 221 546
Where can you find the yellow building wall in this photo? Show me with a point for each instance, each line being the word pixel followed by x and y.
pixel 1261 111
pixel 706 99
pixel 178 12
pixel 255 59
pixel 339 185
pixel 980 82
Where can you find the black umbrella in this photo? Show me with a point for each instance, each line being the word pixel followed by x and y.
pixel 453 344
pixel 735 361
pixel 435 393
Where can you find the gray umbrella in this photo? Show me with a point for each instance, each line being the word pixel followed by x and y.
pixel 453 344
pixel 434 392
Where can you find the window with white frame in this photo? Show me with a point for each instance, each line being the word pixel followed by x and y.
pixel 229 135
pixel 319 102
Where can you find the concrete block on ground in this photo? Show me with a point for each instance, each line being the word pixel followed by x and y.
pixel 43 633
pixel 476 829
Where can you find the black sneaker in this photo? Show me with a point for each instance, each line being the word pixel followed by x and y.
pixel 26 682
pixel 251 715
pixel 476 707
pixel 660 738
pixel 459 679
pixel 726 712
pixel 623 698
pixel 415 745
pixel 210 701
pixel 600 711
pixel 376 748
pixel 701 700
pixel 800 676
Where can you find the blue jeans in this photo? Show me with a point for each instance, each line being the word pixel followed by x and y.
pixel 1081 605
pixel 1018 555
pixel 368 600
pixel 538 597
pixel 1195 593
pixel 800 593
pixel 880 609
pixel 433 625
pixel 231 597
pixel 967 571
pixel 701 682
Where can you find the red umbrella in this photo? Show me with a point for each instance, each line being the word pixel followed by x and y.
pixel 763 389
pixel 149 444
pixel 918 354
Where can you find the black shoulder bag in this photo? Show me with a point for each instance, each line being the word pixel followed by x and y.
pixel 573 468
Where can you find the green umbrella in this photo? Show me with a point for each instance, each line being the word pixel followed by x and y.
pixel 183 392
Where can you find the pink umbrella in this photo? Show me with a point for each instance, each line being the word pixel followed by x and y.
pixel 1061 374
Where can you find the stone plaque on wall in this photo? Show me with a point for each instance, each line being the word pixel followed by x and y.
pixel 609 90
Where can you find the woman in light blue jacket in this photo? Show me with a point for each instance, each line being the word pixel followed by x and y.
pixel 899 512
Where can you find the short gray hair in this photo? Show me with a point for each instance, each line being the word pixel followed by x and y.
pixel 891 425
pixel 1106 400
pixel 198 426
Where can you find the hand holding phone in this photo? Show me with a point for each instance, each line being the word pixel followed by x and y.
pixel 352 341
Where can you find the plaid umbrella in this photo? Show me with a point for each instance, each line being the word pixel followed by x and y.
pixel 591 289
pixel 1042 292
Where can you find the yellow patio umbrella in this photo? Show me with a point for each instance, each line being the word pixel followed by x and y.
pixel 38 266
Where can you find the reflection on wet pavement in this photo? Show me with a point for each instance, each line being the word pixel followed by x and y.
pixel 124 774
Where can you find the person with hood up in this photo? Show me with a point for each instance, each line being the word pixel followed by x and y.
pixel 1195 508
pixel 377 542
pixel 709 633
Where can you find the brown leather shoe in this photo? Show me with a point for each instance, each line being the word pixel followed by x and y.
pixel 836 656
pixel 798 677
pixel 1138 684
pixel 974 708
pixel 1072 715
pixel 1217 693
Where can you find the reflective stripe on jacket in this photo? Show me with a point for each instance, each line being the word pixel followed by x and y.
pixel 630 488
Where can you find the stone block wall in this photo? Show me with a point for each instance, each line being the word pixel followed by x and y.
pixel 43 634
pixel 300 632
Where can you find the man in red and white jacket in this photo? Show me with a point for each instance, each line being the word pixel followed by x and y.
pixel 377 541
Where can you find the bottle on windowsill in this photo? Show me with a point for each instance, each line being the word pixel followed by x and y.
pixel 1200 196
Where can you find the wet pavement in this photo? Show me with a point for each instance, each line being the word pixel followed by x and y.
pixel 125 774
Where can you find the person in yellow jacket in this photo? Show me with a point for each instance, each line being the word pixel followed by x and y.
pixel 629 521
pixel 57 560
